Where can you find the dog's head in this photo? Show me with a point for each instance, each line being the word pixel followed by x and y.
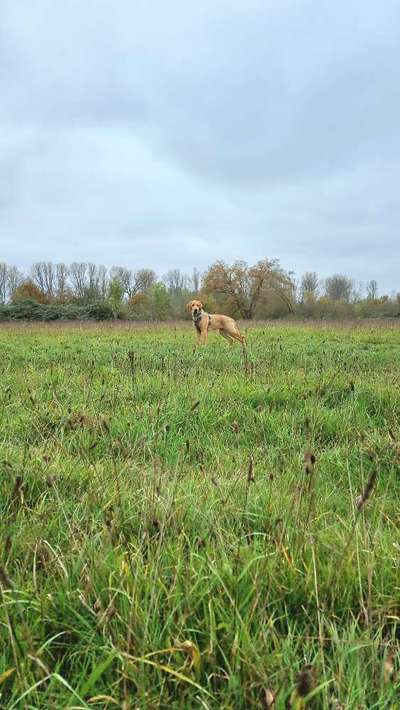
pixel 195 308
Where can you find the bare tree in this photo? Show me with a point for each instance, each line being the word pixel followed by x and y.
pixel 14 279
pixel 339 288
pixel 92 288
pixel 309 286
pixel 61 281
pixel 49 275
pixel 176 281
pixel 3 282
pixel 92 276
pixel 102 281
pixel 196 276
pixel 372 290
pixel 133 282
pixel 37 274
pixel 356 292
pixel 144 279
pixel 44 276
pixel 97 285
pixel 125 278
pixel 78 276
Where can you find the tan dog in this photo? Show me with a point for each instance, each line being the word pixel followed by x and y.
pixel 203 322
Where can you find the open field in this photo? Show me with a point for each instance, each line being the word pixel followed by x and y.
pixel 182 529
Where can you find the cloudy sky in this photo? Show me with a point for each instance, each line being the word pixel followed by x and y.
pixel 174 133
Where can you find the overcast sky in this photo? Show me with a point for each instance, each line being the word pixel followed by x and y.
pixel 174 133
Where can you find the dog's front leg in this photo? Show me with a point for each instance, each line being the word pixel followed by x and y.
pixel 203 336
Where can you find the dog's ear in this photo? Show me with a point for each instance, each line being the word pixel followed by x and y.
pixel 189 306
pixel 200 304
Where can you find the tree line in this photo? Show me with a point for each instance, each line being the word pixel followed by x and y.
pixel 264 290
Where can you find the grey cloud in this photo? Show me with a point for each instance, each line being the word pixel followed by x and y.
pixel 176 133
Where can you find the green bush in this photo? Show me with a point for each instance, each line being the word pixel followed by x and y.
pixel 29 309
pixel 98 310
pixel 22 310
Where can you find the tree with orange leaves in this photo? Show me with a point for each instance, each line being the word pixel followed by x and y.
pixel 28 290
pixel 242 288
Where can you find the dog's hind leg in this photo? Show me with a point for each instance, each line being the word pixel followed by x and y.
pixel 235 335
pixel 239 336
pixel 226 335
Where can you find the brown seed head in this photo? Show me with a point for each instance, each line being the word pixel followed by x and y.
pixel 250 474
pixel 97 605
pixel 268 700
pixel 7 545
pixel 5 580
pixel 17 485
pixel 309 461
pixel 361 500
pixel 305 680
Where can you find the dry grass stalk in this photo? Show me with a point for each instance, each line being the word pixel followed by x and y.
pixel 367 491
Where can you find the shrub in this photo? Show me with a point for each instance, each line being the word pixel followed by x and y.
pixel 30 309
pixel 99 310
pixel 27 309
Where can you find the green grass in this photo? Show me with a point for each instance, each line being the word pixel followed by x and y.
pixel 141 564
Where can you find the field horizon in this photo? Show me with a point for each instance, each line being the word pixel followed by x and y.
pixel 188 527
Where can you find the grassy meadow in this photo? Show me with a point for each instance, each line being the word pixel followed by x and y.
pixel 181 528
